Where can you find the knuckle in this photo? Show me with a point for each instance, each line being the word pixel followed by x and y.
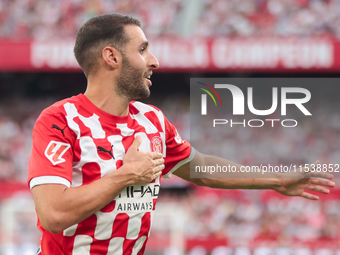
pixel 147 155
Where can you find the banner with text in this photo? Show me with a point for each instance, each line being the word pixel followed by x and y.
pixel 217 54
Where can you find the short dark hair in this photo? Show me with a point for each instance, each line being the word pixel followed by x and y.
pixel 96 34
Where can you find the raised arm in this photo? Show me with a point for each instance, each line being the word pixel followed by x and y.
pixel 289 184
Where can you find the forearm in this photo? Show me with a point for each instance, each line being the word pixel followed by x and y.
pixel 289 184
pixel 236 179
pixel 72 205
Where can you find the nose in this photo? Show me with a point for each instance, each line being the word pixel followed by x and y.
pixel 153 62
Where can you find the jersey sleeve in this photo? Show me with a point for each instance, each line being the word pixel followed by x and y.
pixel 178 151
pixel 52 155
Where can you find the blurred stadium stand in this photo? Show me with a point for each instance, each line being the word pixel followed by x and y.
pixel 191 38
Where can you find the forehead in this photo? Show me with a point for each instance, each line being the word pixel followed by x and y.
pixel 135 34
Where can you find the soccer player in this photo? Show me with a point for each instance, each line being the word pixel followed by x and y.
pixel 98 157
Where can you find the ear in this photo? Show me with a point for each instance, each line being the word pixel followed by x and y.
pixel 111 56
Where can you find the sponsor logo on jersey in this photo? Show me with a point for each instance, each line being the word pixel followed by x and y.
pixel 55 151
pixel 99 148
pixel 60 129
pixel 156 144
pixel 137 198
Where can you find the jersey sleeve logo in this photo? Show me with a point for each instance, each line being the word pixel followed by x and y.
pixel 60 129
pixel 55 151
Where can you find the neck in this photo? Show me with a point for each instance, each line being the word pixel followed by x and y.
pixel 101 92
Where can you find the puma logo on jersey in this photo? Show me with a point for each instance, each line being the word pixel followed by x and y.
pixel 55 151
pixel 58 128
pixel 99 148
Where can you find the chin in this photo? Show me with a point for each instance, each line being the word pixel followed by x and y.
pixel 142 95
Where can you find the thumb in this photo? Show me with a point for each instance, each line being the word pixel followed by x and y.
pixel 135 144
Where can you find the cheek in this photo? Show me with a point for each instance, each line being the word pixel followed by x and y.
pixel 139 61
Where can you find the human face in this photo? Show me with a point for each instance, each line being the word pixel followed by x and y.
pixel 137 65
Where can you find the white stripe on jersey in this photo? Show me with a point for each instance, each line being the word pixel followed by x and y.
pixel 104 226
pixel 91 122
pixel 144 121
pixel 82 245
pixel 70 231
pixel 134 225
pixel 116 246
pixel 145 145
pixel 89 153
pixel 138 245
pixel 144 108
pixel 125 131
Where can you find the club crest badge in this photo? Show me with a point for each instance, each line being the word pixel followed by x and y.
pixel 157 144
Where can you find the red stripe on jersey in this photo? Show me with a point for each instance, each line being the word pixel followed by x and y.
pixel 87 226
pixel 109 207
pixel 120 225
pixel 90 172
pixel 145 226
pixel 119 163
pixel 151 116
pixel 76 153
pixel 84 130
pixel 50 244
pixel 154 204
pixel 133 109
pixel 99 247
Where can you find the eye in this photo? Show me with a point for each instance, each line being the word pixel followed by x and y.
pixel 142 49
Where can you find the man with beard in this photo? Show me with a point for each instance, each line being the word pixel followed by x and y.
pixel 98 158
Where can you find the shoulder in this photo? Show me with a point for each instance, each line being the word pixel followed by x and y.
pixel 56 113
pixel 149 111
pixel 58 108
pixel 148 115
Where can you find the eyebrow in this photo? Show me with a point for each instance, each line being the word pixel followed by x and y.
pixel 146 44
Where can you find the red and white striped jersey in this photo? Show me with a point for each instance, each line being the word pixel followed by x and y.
pixel 76 143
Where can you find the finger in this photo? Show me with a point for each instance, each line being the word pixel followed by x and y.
pixel 309 196
pixel 321 175
pixel 159 161
pixel 135 144
pixel 322 182
pixel 156 155
pixel 317 188
pixel 308 167
pixel 156 175
pixel 158 168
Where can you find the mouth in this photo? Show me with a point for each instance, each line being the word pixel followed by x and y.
pixel 147 77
